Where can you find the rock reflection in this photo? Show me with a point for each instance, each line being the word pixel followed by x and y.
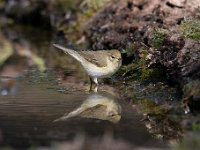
pixel 18 54
pixel 7 86
pixel 101 106
pixel 163 127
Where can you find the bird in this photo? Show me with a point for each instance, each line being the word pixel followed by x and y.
pixel 97 64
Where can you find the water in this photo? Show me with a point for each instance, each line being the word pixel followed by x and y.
pixel 41 109
pixel 39 113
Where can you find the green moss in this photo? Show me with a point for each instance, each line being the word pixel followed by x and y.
pixel 83 15
pixel 39 62
pixel 192 88
pixel 158 37
pixel 195 127
pixel 151 107
pixel 191 29
pixel 190 142
pixel 138 70
pixel 147 73
pixel 64 4
pixel 96 4
pixel 6 49
pixel 6 148
pixel 2 3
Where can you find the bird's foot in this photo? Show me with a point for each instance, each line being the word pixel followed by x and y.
pixel 93 88
pixel 93 81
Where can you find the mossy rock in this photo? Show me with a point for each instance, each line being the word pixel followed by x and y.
pixel 192 89
pixel 86 10
pixel 150 107
pixel 64 4
pixel 138 70
pixel 6 49
pixel 191 141
pixel 191 29
pixel 159 36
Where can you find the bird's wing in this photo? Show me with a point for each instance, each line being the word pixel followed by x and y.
pixel 95 57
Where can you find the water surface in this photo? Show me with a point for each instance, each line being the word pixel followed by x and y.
pixel 41 114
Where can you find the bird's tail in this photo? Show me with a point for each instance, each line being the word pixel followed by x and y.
pixel 71 52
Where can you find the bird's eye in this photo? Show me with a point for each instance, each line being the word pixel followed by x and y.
pixel 112 57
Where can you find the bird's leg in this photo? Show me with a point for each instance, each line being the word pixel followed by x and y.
pixel 93 80
pixel 96 84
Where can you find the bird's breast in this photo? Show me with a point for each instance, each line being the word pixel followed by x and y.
pixel 101 72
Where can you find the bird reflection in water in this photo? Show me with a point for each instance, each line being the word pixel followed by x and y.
pixel 103 106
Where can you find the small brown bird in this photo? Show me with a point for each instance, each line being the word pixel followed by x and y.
pixel 98 64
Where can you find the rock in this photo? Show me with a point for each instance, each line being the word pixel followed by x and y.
pixel 151 29
pixel 27 11
pixel 177 3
